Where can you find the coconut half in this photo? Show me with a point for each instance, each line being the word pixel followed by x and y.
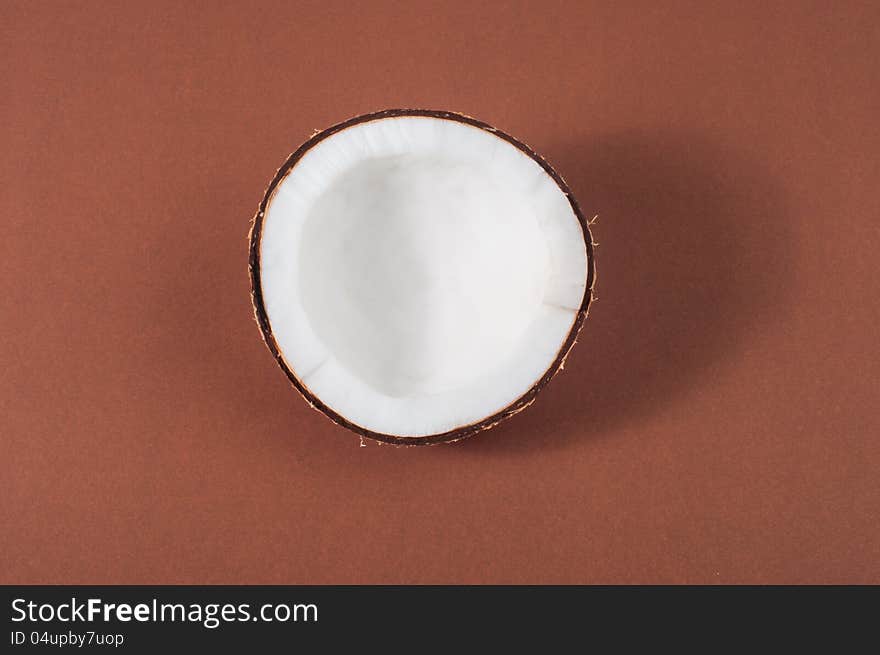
pixel 419 275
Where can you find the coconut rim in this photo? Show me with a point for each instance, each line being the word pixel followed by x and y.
pixel 465 431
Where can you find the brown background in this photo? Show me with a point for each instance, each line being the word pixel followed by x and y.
pixel 717 421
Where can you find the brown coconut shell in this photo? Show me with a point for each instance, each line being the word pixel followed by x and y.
pixel 466 430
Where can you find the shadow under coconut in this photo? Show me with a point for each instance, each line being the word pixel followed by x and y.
pixel 694 255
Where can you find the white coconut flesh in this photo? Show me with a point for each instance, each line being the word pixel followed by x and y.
pixel 420 274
